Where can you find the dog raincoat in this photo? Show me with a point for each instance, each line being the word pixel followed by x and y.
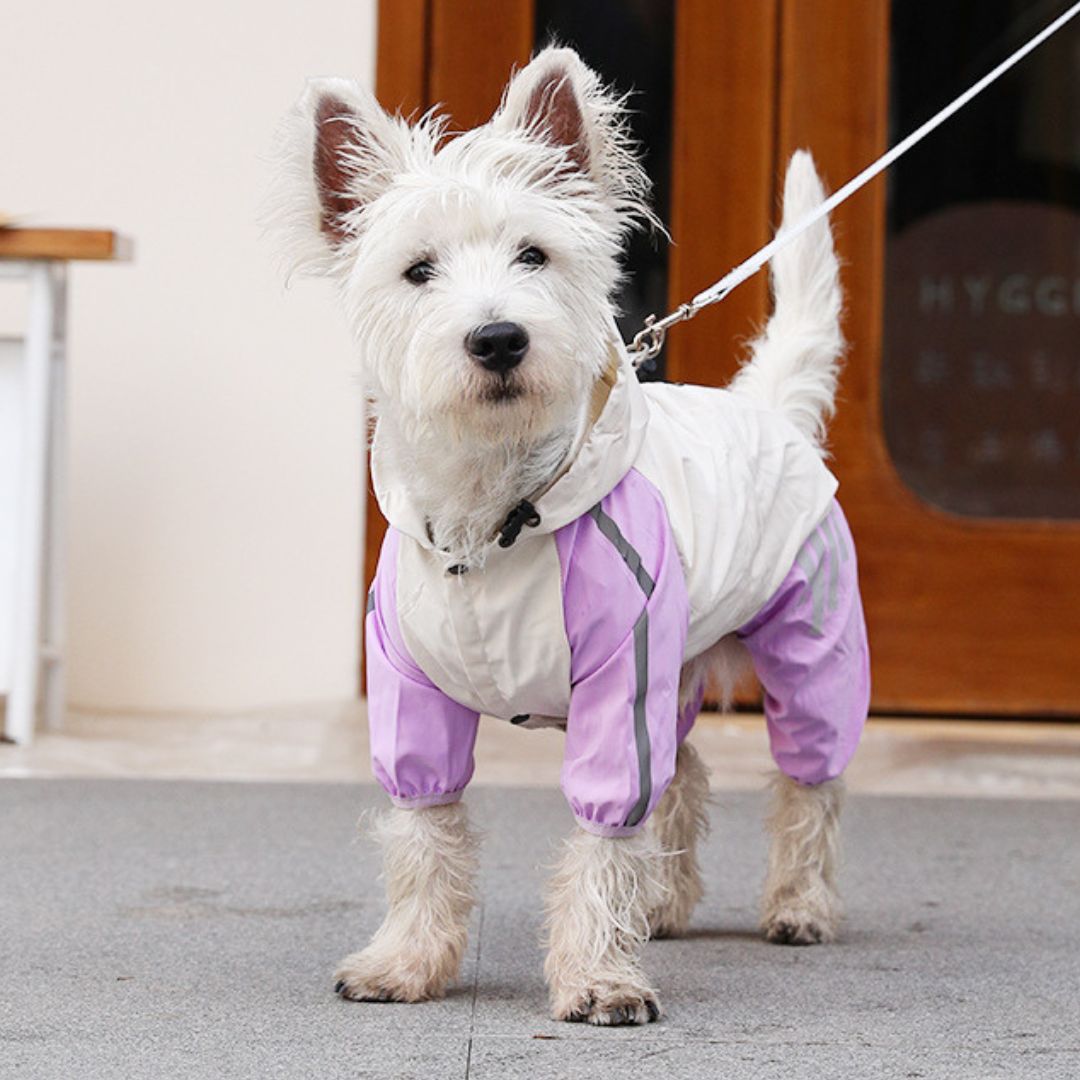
pixel 687 514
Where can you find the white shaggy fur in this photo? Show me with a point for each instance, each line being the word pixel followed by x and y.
pixel 794 365
pixel 725 664
pixel 680 822
pixel 424 232
pixel 429 863
pixel 801 905
pixel 601 895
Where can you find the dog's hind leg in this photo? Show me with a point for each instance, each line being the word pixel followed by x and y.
pixel 801 905
pixel 598 920
pixel 679 822
pixel 429 863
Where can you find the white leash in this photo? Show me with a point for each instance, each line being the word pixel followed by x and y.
pixel 648 342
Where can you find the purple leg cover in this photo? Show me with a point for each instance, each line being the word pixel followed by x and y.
pixel 810 652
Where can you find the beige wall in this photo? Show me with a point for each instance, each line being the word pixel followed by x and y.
pixel 216 468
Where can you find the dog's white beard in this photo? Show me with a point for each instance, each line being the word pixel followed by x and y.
pixel 466 487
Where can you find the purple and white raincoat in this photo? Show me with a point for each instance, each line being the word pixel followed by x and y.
pixel 687 514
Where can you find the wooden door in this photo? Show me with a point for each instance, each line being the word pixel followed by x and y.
pixel 967 614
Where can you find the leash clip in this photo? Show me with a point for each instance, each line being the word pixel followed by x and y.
pixel 649 340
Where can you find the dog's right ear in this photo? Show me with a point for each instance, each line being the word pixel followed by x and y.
pixel 337 152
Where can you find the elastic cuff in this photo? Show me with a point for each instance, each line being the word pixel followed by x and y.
pixel 610 831
pixel 810 776
pixel 434 798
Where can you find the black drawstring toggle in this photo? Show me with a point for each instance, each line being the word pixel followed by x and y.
pixel 522 514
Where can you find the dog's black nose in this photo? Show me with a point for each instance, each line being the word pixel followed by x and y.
pixel 498 346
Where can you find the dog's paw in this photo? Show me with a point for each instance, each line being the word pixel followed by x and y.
pixel 792 927
pixel 610 1007
pixel 374 975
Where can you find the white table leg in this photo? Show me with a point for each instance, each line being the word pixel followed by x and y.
pixel 54 635
pixel 22 702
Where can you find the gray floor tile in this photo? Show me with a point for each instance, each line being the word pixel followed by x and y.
pixel 183 929
pixel 236 1055
pixel 635 1055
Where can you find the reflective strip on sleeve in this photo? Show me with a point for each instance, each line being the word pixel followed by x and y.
pixel 630 556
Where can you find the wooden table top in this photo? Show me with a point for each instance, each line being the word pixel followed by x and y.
pixel 95 244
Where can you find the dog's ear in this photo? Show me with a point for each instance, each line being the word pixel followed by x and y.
pixel 546 99
pixel 558 99
pixel 340 138
pixel 337 152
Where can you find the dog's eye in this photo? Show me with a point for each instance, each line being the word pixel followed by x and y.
pixel 420 272
pixel 531 256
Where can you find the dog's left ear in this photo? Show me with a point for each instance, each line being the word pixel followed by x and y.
pixel 558 99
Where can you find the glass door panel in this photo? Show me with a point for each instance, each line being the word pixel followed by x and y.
pixel 981 359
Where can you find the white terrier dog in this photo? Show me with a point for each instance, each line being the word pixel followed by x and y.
pixel 566 545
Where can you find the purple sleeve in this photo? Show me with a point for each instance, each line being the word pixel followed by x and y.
pixel 626 612
pixel 810 652
pixel 421 741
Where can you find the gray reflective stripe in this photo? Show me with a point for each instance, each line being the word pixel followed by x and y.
pixel 812 571
pixel 819 586
pixel 841 542
pixel 834 562
pixel 370 602
pixel 641 723
pixel 641 661
pixel 828 544
pixel 622 546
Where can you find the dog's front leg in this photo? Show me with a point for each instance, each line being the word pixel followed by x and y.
pixel 801 905
pixel 429 863
pixel 598 920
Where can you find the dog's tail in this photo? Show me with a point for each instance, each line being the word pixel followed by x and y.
pixel 795 363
